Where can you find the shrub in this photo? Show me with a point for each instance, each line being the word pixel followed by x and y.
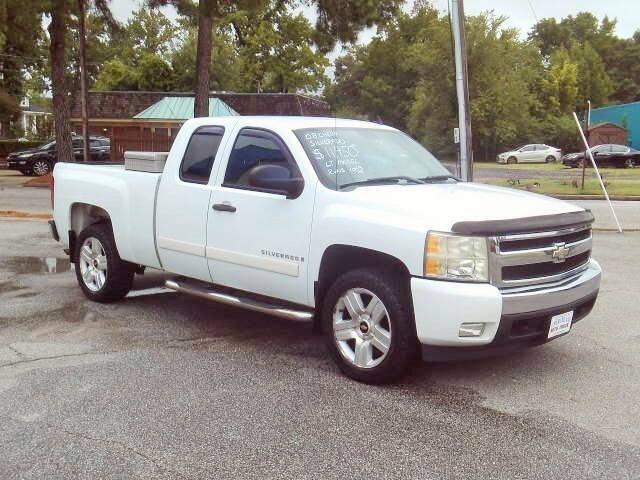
pixel 10 146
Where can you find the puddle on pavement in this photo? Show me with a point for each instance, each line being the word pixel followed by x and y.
pixel 23 265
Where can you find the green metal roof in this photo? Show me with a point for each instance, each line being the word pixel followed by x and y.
pixel 181 108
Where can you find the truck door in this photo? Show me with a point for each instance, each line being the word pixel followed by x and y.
pixel 183 202
pixel 259 240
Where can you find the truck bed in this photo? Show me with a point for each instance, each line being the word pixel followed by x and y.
pixel 128 196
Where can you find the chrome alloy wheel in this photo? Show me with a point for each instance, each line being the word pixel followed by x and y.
pixel 93 264
pixel 41 167
pixel 361 328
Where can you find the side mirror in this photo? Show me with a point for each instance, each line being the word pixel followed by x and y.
pixel 276 179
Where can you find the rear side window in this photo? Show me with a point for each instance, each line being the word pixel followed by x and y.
pixel 254 148
pixel 619 149
pixel 200 154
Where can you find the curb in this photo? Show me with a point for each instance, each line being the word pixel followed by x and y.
pixel 623 198
pixel 611 229
pixel 16 215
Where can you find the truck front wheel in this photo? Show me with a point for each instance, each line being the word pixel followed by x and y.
pixel 102 275
pixel 369 327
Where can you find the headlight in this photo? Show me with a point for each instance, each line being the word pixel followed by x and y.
pixel 454 257
pixel 25 155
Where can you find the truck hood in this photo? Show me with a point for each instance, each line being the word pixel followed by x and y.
pixel 439 206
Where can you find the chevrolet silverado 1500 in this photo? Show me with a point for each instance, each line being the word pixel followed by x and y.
pixel 348 224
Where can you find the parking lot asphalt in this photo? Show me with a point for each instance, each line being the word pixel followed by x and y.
pixel 162 385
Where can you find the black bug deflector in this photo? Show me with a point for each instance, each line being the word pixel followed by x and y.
pixel 524 225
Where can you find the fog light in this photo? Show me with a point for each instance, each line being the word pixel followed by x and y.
pixel 471 330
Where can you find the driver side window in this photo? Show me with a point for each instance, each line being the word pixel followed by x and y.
pixel 254 148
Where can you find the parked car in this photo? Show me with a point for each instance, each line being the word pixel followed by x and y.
pixel 534 153
pixel 606 155
pixel 41 160
pixel 350 225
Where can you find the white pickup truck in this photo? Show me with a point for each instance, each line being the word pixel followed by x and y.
pixel 349 224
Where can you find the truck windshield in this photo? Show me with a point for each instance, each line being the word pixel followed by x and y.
pixel 351 156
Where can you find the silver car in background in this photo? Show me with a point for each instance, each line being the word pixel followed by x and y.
pixel 532 153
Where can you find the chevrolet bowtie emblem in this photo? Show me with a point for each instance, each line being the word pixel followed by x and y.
pixel 560 252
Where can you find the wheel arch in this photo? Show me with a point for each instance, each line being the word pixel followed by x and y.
pixel 82 215
pixel 338 259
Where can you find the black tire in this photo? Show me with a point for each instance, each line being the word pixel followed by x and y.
pixel 512 160
pixel 550 159
pixel 629 163
pixel 119 274
pixel 394 294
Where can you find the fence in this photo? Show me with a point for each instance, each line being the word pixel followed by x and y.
pixel 153 139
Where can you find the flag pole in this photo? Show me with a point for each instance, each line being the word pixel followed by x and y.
pixel 595 167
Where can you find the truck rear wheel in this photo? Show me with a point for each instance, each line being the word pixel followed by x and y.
pixel 368 325
pixel 102 275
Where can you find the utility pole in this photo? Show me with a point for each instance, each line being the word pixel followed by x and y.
pixel 584 161
pixel 83 80
pixel 462 90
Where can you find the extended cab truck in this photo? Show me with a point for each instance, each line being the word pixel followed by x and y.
pixel 350 224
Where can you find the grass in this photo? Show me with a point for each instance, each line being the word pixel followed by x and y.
pixel 555 179
pixel 558 186
pixel 559 169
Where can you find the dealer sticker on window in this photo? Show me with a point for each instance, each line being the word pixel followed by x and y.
pixel 560 324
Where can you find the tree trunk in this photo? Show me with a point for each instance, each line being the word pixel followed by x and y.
pixel 83 80
pixel 59 88
pixel 203 58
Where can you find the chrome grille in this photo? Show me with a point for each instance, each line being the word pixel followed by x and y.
pixel 529 259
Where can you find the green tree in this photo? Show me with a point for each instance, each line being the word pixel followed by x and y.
pixel 337 21
pixel 404 77
pixel 560 85
pixel 615 76
pixel 226 72
pixel 275 53
pixel 593 81
pixel 155 74
pixel 21 52
pixel 146 32
pixel 116 75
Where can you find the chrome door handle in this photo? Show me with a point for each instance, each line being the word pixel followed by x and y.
pixel 224 207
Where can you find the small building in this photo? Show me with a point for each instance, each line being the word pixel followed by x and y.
pixel 626 116
pixel 35 118
pixel 150 120
pixel 608 132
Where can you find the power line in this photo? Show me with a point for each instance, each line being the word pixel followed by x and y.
pixel 533 10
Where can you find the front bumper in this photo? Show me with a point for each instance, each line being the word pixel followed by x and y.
pixel 513 319
pixel 13 164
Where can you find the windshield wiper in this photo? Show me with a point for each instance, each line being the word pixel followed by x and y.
pixel 374 181
pixel 439 178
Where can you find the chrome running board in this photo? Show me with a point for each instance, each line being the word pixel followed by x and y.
pixel 207 292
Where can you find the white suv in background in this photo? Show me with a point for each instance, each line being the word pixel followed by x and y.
pixel 535 152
